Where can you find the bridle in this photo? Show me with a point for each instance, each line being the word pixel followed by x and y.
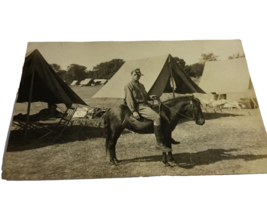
pixel 177 113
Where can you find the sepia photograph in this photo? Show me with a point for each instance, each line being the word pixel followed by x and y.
pixel 92 110
pixel 73 123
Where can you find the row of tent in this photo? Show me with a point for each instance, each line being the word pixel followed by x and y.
pixel 229 77
pixel 161 75
pixel 90 82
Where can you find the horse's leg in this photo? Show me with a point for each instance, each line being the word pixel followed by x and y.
pixel 171 159
pixel 109 140
pixel 164 159
pixel 112 145
pixel 167 138
pixel 111 148
pixel 117 135
pixel 115 157
pixel 169 144
pixel 111 153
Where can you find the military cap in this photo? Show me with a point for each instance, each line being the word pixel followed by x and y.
pixel 137 71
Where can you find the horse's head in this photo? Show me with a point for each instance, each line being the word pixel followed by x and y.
pixel 194 109
pixel 187 107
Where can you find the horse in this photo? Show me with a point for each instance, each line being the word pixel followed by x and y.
pixel 171 111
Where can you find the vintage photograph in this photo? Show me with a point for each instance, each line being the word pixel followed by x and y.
pixel 88 110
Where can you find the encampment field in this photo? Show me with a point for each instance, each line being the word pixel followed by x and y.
pixel 230 142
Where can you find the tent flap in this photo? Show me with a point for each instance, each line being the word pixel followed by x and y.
pixel 47 86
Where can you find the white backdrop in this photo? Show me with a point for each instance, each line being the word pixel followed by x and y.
pixel 24 21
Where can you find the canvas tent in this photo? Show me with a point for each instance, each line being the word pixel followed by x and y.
pixel 86 82
pixel 157 78
pixel 39 82
pixel 226 76
pixel 100 81
pixel 47 86
pixel 74 82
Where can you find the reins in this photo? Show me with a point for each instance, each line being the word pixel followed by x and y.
pixel 173 111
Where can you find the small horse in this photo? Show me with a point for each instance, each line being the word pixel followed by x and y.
pixel 171 111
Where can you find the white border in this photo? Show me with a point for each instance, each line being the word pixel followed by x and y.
pixel 23 21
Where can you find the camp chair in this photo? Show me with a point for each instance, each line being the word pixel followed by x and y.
pixel 56 126
pixel 19 125
pixel 52 125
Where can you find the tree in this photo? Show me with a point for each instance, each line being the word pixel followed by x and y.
pixel 106 69
pixel 55 67
pixel 234 56
pixel 62 74
pixel 180 62
pixel 76 72
pixel 182 65
pixel 196 70
pixel 208 57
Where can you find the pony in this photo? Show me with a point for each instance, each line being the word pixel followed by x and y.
pixel 171 111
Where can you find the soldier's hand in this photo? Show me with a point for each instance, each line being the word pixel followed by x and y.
pixel 153 97
pixel 136 115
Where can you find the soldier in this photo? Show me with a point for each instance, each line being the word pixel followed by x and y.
pixel 136 99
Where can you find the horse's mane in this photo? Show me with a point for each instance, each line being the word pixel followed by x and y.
pixel 181 98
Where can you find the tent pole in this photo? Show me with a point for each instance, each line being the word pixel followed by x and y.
pixel 172 79
pixel 29 108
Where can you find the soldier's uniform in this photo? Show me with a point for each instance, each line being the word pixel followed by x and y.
pixel 136 99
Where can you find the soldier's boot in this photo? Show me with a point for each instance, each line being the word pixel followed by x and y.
pixel 159 138
pixel 174 142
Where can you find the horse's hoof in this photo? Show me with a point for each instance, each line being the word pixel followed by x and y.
pixel 116 161
pixel 167 164
pixel 113 164
pixel 173 163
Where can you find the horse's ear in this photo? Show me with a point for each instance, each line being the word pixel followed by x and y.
pixel 186 107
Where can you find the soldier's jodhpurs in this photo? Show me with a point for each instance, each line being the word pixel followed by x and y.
pixel 148 113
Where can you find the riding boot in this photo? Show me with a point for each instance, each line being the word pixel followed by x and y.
pixel 159 138
pixel 174 142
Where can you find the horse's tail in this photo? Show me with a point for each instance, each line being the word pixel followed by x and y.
pixel 106 130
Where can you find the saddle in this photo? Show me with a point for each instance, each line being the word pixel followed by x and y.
pixel 154 107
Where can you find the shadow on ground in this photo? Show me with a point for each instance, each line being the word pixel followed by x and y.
pixel 72 133
pixel 210 116
pixel 210 156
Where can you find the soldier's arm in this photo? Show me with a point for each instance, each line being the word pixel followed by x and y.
pixel 129 99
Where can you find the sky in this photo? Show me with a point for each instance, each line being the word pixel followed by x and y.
pixel 90 54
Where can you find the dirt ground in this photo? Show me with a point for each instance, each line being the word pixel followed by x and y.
pixel 232 142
